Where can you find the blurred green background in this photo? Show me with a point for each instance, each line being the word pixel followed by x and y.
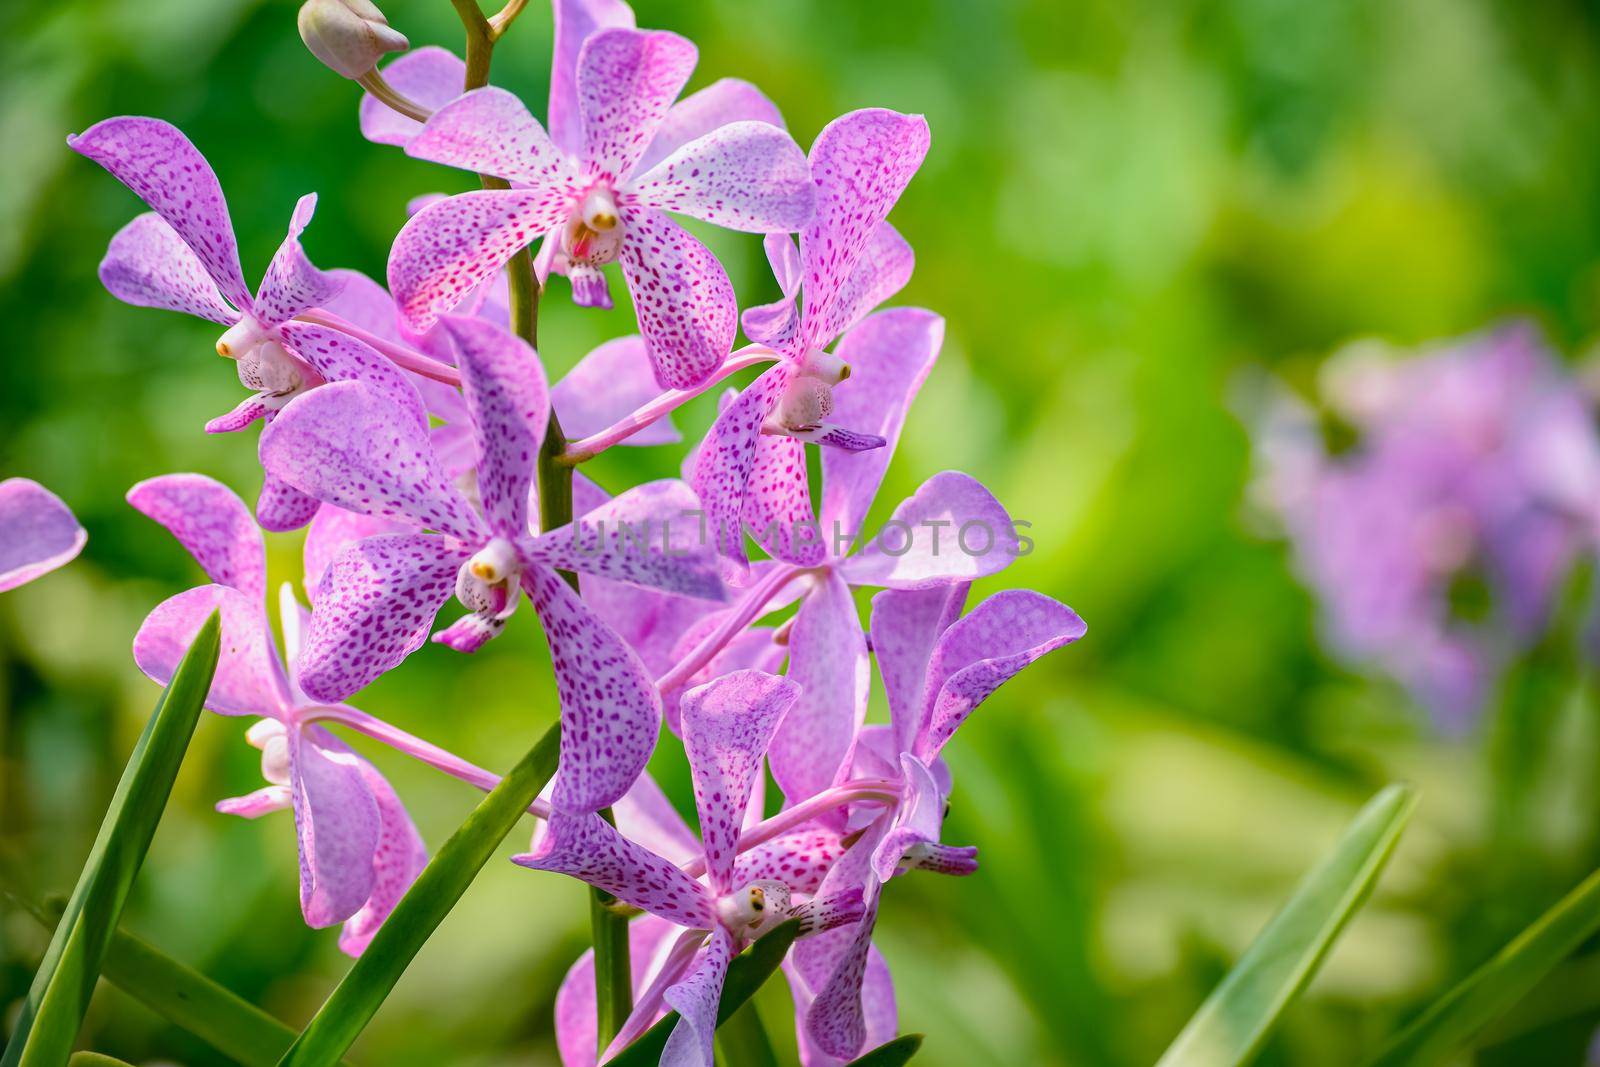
pixel 1126 205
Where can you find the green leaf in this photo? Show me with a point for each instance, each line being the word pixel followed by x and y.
pixel 890 1054
pixel 1495 987
pixel 744 1041
pixel 96 1059
pixel 60 994
pixel 183 996
pixel 352 1005
pixel 1233 1022
pixel 747 973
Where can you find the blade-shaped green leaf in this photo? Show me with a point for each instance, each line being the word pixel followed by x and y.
pixel 746 974
pixel 1231 1025
pixel 1492 989
pixel 743 1039
pixel 96 1059
pixel 894 1053
pixel 352 1005
pixel 61 990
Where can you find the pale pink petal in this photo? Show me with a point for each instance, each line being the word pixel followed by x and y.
pixel 777 324
pixel 509 403
pixel 754 649
pixel 627 80
pixel 431 76
pixel 332 530
pixel 249 678
pixel 364 303
pixel 245 414
pixel 576 1035
pixel 681 295
pixel 727 725
pixel 906 624
pixel 211 522
pixel 292 283
pixel 263 801
pixel 890 355
pixel 147 264
pixel 828 658
pixel 449 247
pixel 337 821
pixel 718 104
pixel 879 1012
pixel 38 533
pixel 777 503
pixel 610 710
pixel 862 162
pixel 951 529
pixel 695 999
pixel 575 20
pixel 918 819
pixel 167 172
pixel 398 858
pixel 981 651
pixel 883 270
pixel 800 859
pixel 350 446
pixel 375 604
pixel 338 357
pixel 647 817
pixel 747 176
pixel 649 620
pixel 489 131
pixel 280 507
pixel 725 458
pixel 649 536
pixel 607 384
pixel 588 848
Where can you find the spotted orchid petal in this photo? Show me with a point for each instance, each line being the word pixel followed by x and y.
pixel 650 621
pixel 777 502
pixel 338 357
pixel 983 650
pixel 835 963
pixel 212 523
pixel 754 649
pixel 681 295
pixel 828 659
pixel 253 805
pixel 576 1033
pixel 490 131
pixel 38 533
pixel 244 414
pixel 883 270
pixel 249 678
pixel 727 726
pixel 799 859
pixel 398 858
pixel 627 80
pixel 332 530
pixel 430 76
pixel 862 162
pixel 726 457
pixel 648 536
pixel 890 355
pixel 906 625
pixel 364 303
pixel 695 999
pixel 509 402
pixel 777 324
pixel 747 176
pixel 292 283
pixel 644 815
pixel 166 171
pixel 880 1016
pixel 446 250
pixel 374 606
pixel 348 445
pixel 338 823
pixel 951 529
pixel 607 384
pixel 148 264
pixel 610 710
pixel 280 507
pixel 575 21
pixel 918 821
pixel 722 102
pixel 588 848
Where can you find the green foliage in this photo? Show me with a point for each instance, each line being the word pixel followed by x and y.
pixel 894 1053
pixel 51 1016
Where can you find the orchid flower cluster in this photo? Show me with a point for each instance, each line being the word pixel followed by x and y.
pixel 1438 542
pixel 411 429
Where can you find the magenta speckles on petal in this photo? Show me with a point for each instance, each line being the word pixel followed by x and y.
pixel 682 296
pixel 211 522
pixel 828 659
pixel 695 999
pixel 746 176
pixel 292 283
pixel 149 265
pixel 489 131
pixel 627 80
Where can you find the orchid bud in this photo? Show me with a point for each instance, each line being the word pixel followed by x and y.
pixel 349 36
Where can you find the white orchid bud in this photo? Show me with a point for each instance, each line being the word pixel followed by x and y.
pixel 348 36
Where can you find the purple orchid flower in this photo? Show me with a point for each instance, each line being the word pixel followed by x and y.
pixel 182 255
pixel 750 470
pixel 359 851
pixel 937 667
pixel 727 726
pixel 597 203
pixel 38 533
pixel 1476 462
